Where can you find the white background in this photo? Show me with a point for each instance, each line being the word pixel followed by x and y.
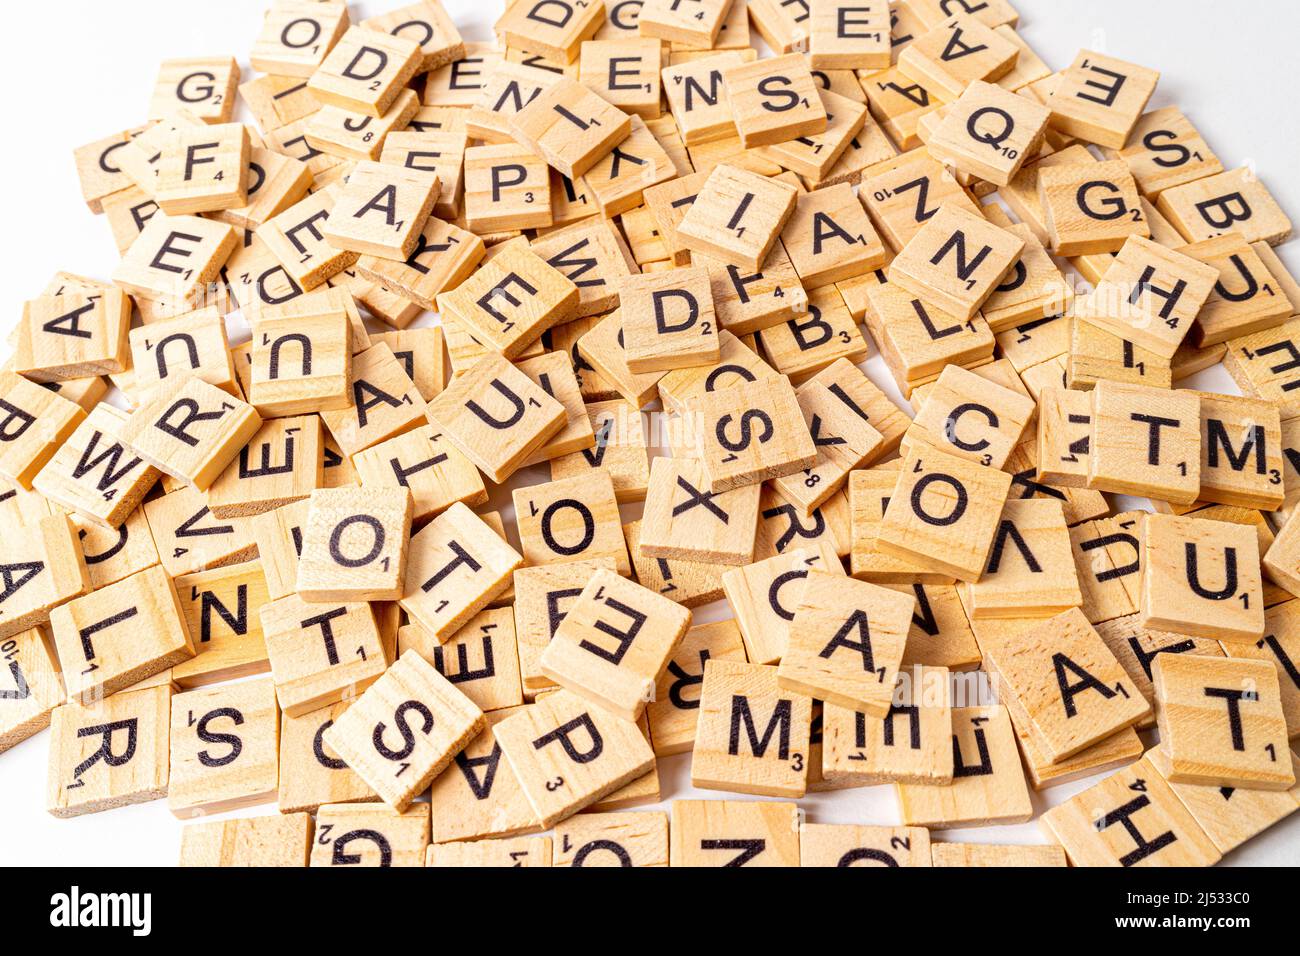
pixel 81 69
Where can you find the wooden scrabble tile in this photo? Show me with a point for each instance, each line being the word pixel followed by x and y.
pixel 283 462
pixel 641 622
pixel 188 538
pixel 988 785
pixel 512 300
pixel 1030 571
pixel 1032 298
pixel 970 417
pixel 224 747
pixel 1247 297
pixel 1149 295
pixel 572 519
pixel 296 36
pixel 867 622
pixel 772 758
pixel 1229 816
pixel 844 438
pixel 668 320
pixel 1195 572
pixel 734 833
pixel 696 27
pixel 688 583
pixel 555 31
pixel 428 465
pixel 624 72
pixel 674 707
pixel 120 634
pixel 94 474
pixel 203 86
pixel 277 100
pixel 439 152
pixel 478 794
pixel 370 834
pixel 1127 419
pixel 620 450
pixel 97 169
pixel 1107 556
pixel 519 418
pixel 543 596
pixel 385 402
pixel 684 520
pixel 567 754
pixel 1165 150
pixel 846 36
pixel 33 687
pixel 194 344
pixel 271 841
pixel 870 492
pixel 434 721
pixel 815 339
pixel 955 53
pixel 618 179
pixel 602 349
pixel 738 363
pixel 612 839
pixel 592 257
pixel 365 71
pixel 428 24
pixel 297 239
pixel 354 545
pixel 1261 364
pixel 381 210
pixel 512 852
pixel 1131 818
pixel 108 753
pixel 1247 471
pixel 191 433
pixel 737 216
pixel 830 238
pixel 905 196
pixel 1064 436
pixel 320 653
pixel 936 490
pixel 781 527
pixel 1221 722
pixel 1097 355
pixel 940 635
pixel 765 596
pixel 1069 686
pixel 222 611
pixel 773 100
pixel 456 566
pixel 1233 201
pixel 444 257
pixel 204 170
pixel 459 83
pixel 570 126
pixel 753 432
pixel 912 744
pixel 63 337
pixel 175 258
pixel 1100 98
pixel 989 132
pixel 1090 207
pixel 491 681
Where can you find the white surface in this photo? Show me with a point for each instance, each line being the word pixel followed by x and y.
pixel 1228 65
